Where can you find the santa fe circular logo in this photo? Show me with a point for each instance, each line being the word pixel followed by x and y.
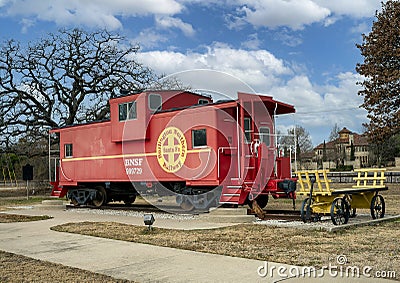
pixel 171 149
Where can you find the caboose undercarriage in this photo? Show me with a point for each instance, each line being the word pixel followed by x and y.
pixel 188 198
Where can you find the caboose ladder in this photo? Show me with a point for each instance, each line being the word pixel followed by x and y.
pixel 231 194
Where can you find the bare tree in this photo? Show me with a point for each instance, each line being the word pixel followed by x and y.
pixel 303 140
pixel 62 79
pixel 334 135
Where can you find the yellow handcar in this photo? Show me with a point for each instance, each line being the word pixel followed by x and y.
pixel 341 203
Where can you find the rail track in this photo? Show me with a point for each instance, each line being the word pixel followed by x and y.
pixel 279 214
pixel 147 208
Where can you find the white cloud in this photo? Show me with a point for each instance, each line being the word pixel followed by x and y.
pixel 167 22
pixel 361 28
pixel 26 24
pixel 252 42
pixel 149 38
pixel 353 8
pixel 296 14
pixel 320 107
pixel 287 38
pixel 276 13
pixel 99 13
pixel 258 68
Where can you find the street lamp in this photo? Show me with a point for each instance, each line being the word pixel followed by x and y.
pixel 148 220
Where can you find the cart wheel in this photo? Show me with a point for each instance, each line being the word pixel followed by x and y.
pixel 339 211
pixel 377 207
pixel 101 196
pixel 305 212
pixel 352 212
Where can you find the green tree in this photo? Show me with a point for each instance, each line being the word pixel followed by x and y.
pixel 324 153
pixel 381 70
pixel 352 152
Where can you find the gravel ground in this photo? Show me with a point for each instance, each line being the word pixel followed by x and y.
pixel 133 213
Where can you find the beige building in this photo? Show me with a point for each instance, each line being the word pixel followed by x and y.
pixel 338 152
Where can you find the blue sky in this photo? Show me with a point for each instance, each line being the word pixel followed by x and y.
pixel 299 51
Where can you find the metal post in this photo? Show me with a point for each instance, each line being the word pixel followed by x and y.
pixel 239 140
pixel 276 139
pixel 295 148
pixel 49 157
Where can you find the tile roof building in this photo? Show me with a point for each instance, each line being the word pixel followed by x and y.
pixel 348 149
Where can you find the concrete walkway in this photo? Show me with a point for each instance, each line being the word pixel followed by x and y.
pixel 134 261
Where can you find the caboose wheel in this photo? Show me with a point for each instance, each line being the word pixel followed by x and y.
pixel 262 200
pixel 339 211
pixel 74 202
pixel 129 200
pixel 377 207
pixel 187 205
pixel 101 196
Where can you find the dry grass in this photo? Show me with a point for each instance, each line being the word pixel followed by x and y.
pixel 17 268
pixel 9 218
pixel 17 197
pixel 376 246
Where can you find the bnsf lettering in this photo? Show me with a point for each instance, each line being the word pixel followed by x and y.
pixel 133 162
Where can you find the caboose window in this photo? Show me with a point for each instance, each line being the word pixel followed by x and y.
pixel 199 138
pixel 68 150
pixel 127 111
pixel 155 102
pixel 203 101
pixel 132 110
pixel 265 136
pixel 247 129
pixel 123 111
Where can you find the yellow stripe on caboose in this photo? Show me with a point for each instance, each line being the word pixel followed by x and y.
pixel 127 155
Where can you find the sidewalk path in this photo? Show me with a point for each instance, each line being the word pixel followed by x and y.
pixel 125 260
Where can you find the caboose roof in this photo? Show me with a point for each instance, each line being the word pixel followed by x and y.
pixel 273 106
pixel 161 92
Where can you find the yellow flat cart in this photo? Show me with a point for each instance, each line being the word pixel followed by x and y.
pixel 341 204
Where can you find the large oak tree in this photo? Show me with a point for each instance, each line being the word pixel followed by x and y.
pixel 62 79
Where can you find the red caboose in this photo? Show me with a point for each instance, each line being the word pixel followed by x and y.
pixel 177 142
